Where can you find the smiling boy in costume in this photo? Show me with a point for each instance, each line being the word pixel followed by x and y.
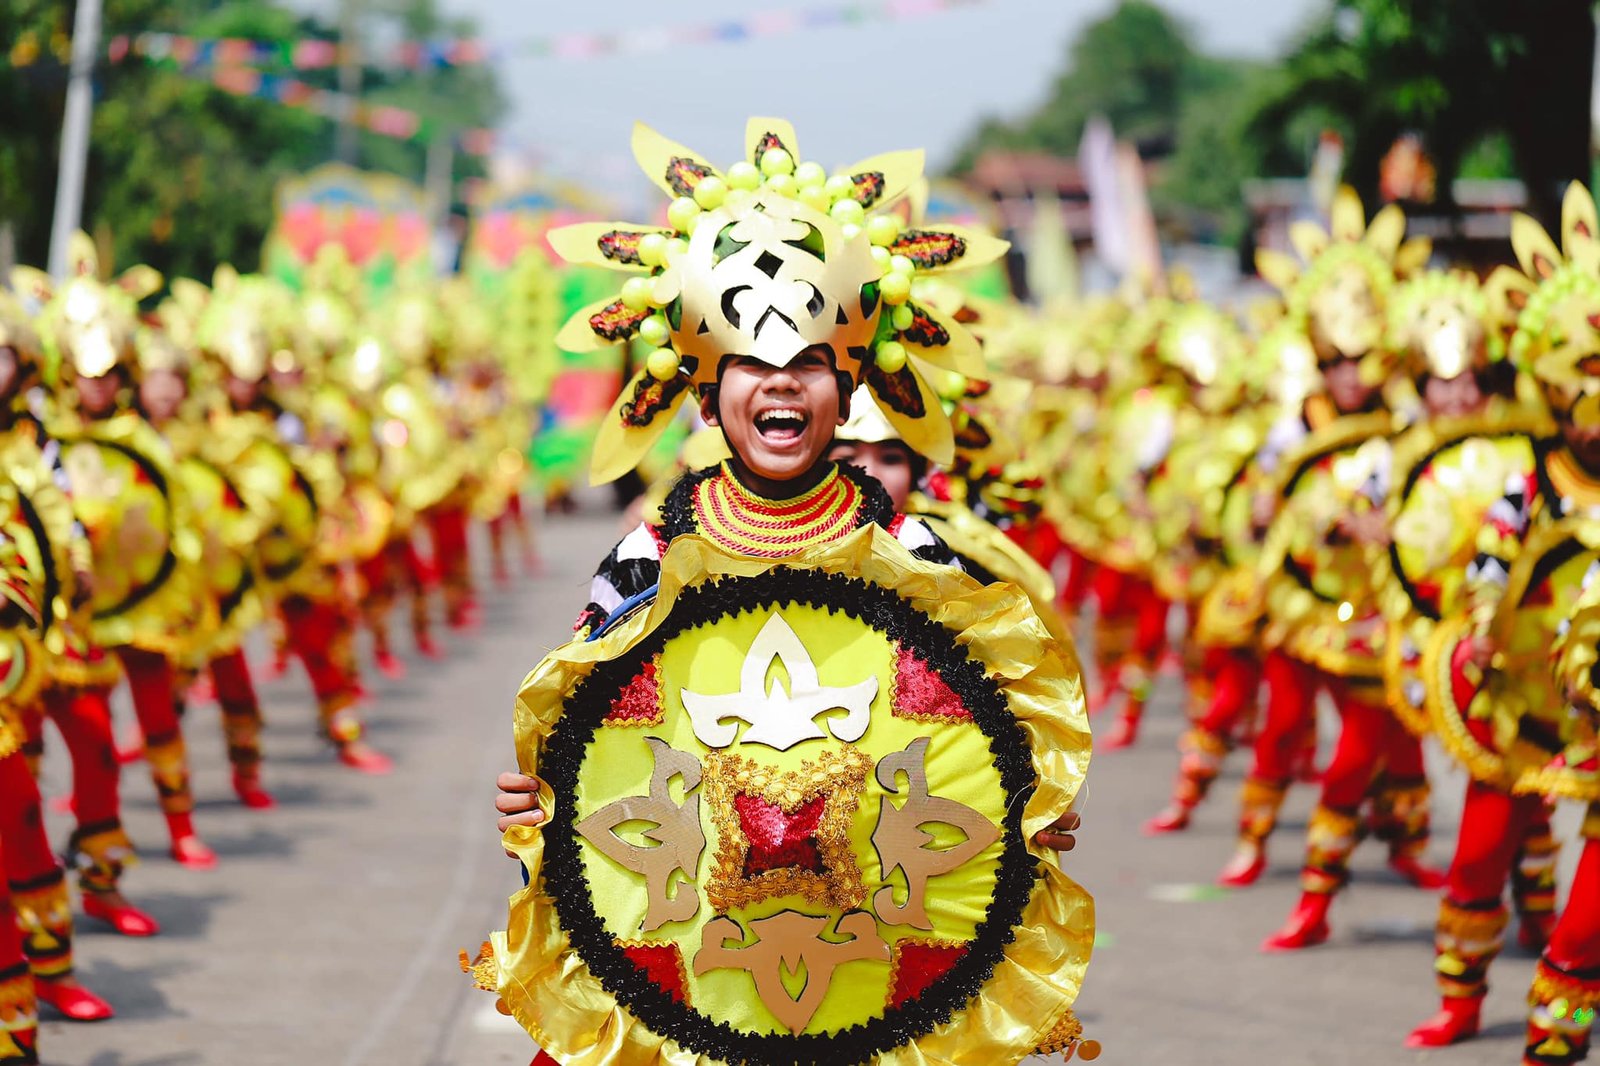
pixel 782 299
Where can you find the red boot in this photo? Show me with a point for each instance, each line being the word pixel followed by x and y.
pixel 1420 875
pixel 1246 866
pixel 1307 926
pixel 247 786
pixel 1457 1020
pixel 187 847
pixel 358 756
pixel 1172 820
pixel 122 916
pixel 72 999
pixel 389 665
pixel 429 648
pixel 1124 734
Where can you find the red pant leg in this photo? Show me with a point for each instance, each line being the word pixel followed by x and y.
pixel 99 847
pixel 1236 676
pixel 1575 943
pixel 41 915
pixel 241 710
pixel 1365 739
pixel 317 633
pixel 154 701
pixel 1075 586
pixel 18 1007
pixel 1291 705
pixel 1150 623
pixel 1493 824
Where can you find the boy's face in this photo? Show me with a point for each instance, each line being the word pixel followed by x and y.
pixel 162 393
pixel 97 397
pixel 779 421
pixel 1345 387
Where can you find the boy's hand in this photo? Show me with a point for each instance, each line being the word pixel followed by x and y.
pixel 1058 835
pixel 518 801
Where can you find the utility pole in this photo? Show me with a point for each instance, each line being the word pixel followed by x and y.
pixel 75 134
pixel 438 181
pixel 349 80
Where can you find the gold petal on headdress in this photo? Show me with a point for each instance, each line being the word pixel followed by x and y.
pixel 612 245
pixel 1413 255
pixel 1387 230
pixel 947 248
pixel 912 407
pixel 1308 238
pixel 1508 290
pixel 599 325
pixel 1276 268
pixel 139 281
pixel 1580 232
pixel 938 339
pixel 884 178
pixel 634 423
pixel 1349 219
pixel 82 259
pixel 32 283
pixel 190 295
pixel 676 170
pixel 761 134
pixel 1535 250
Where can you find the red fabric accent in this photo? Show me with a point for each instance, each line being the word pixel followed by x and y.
pixel 1493 826
pixel 1291 691
pixel 311 628
pixel 1108 588
pixel 662 963
pixel 84 718
pixel 1236 675
pixel 542 1059
pixel 1080 577
pixel 778 839
pixel 918 966
pixel 230 674
pixel 896 524
pixel 918 690
pixel 27 847
pixel 1575 942
pixel 150 683
pixel 376 575
pixel 1150 629
pixel 1461 690
pixel 640 700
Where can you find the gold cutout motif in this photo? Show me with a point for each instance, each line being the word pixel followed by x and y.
pixel 902 842
pixel 780 719
pixel 677 830
pixel 788 941
pixel 840 776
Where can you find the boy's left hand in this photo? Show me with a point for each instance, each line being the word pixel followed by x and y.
pixel 1057 836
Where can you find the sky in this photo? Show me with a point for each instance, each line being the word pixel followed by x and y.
pixel 851 91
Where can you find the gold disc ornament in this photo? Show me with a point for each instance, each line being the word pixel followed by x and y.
pixel 791 811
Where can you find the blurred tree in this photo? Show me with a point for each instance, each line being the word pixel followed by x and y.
pixel 1138 68
pixel 182 174
pixel 1457 72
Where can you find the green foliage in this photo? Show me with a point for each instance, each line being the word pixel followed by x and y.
pixel 182 174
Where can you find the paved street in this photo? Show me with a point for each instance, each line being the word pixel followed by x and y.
pixel 329 933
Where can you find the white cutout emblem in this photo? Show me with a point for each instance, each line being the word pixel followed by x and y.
pixel 777 719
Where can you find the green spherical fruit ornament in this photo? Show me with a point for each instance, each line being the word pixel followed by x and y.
pixel 782 184
pixel 814 196
pixel 775 161
pixel 903 318
pixel 654 331
pixel 744 175
pixel 883 229
pixel 850 231
pixel 652 247
pixel 839 187
pixel 636 294
pixel 738 199
pixel 808 174
pixel 662 363
pixel 680 211
pixel 895 288
pixel 709 193
pixel 902 264
pixel 880 256
pixel 891 357
pixel 675 248
pixel 848 211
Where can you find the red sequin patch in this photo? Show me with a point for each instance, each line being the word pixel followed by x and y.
pixel 778 839
pixel 767 143
pixel 868 187
pixel 662 963
pixel 639 703
pixel 614 322
pixel 650 397
pixel 929 248
pixel 925 329
pixel 918 965
pixel 898 390
pixel 621 245
pixel 683 174
pixel 921 693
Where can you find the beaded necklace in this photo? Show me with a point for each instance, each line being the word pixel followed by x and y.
pixel 738 519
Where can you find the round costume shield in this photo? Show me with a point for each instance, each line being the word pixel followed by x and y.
pixel 122 496
pixel 1320 589
pixel 227 531
pixel 284 499
pixel 791 811
pixel 1449 474
pixel 1230 611
pixel 1511 728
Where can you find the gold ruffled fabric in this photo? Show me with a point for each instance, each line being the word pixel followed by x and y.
pixel 564 1007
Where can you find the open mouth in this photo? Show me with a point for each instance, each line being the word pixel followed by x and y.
pixel 781 425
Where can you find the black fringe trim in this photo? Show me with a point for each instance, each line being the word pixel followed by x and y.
pixel 563 878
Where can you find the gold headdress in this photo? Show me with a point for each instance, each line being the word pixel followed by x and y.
pixel 86 323
pixel 1340 295
pixel 767 260
pixel 1206 346
pixel 1554 304
pixel 17 332
pixel 1441 323
pixel 236 327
